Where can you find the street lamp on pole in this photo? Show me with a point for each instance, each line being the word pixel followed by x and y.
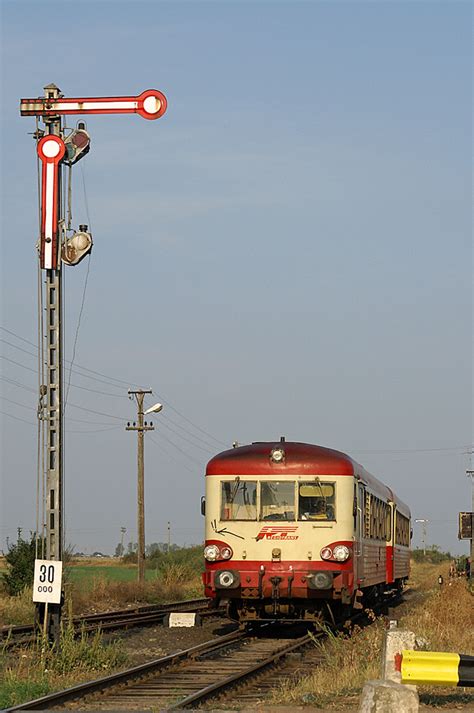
pixel 141 426
pixel 470 474
pixel 424 523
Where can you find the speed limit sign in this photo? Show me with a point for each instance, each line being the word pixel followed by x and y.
pixel 47 581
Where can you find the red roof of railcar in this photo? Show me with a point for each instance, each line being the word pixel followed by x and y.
pixel 300 459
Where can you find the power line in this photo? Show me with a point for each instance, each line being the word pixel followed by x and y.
pixel 68 418
pixel 194 445
pixel 168 440
pixel 76 386
pixel 17 418
pixel 414 450
pixel 109 381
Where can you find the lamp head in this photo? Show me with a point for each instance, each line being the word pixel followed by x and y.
pixel 154 409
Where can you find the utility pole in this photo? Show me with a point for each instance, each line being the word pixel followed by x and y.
pixel 123 530
pixel 140 426
pixel 169 537
pixel 424 523
pixel 55 247
pixel 470 474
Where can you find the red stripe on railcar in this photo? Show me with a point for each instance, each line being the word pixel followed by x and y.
pixel 389 564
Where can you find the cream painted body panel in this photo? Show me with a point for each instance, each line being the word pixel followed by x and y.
pixel 304 540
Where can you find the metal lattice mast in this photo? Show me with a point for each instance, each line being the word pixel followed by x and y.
pixel 54 380
pixel 52 150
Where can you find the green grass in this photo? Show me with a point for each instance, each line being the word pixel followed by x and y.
pixel 43 669
pixel 13 691
pixel 86 575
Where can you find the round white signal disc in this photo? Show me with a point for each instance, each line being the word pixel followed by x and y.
pixel 152 105
pixel 51 148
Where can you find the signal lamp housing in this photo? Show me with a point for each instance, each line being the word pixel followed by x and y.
pixel 78 144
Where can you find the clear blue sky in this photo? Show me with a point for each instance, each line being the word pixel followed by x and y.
pixel 286 252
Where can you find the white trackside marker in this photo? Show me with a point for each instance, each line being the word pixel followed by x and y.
pixel 182 619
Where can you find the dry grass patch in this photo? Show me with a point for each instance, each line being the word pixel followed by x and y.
pixel 347 662
pixel 18 609
pixel 173 583
pixel 445 620
pixel 442 618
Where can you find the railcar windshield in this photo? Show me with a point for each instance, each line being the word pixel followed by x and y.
pixel 316 501
pixel 239 500
pixel 277 500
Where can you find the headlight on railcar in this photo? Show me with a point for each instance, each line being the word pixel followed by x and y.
pixel 341 553
pixel 211 553
pixel 227 579
pixel 320 580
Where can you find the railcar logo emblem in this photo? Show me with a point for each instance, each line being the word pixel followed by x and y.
pixel 275 532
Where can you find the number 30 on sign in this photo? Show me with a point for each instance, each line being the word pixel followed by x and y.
pixel 47 581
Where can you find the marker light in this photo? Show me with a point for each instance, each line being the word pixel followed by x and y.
pixel 226 553
pixel 277 455
pixel 326 553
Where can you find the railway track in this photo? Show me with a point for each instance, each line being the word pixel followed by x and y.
pixel 181 679
pixel 152 614
pixel 243 659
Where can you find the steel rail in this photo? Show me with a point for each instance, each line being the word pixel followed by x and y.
pixel 101 684
pixel 129 681
pixel 239 676
pixel 14 635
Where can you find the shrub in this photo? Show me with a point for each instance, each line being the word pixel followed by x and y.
pixel 433 555
pixel 20 561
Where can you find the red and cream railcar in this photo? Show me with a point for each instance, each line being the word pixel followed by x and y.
pixel 298 531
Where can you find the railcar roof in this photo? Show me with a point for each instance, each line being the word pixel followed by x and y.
pixel 300 459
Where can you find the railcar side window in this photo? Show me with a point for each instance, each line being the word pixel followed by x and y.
pixel 277 500
pixel 316 501
pixel 239 500
pixel 402 530
pixel 377 518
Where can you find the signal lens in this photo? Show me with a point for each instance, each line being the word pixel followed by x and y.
pixel 226 553
pixel 326 553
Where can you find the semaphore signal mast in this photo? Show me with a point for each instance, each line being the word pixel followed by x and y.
pixel 55 149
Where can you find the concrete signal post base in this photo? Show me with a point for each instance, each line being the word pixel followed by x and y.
pixel 388 697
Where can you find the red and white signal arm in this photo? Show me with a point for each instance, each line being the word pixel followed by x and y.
pixel 150 104
pixel 51 150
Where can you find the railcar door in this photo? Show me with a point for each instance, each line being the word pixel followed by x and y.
pixel 359 502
